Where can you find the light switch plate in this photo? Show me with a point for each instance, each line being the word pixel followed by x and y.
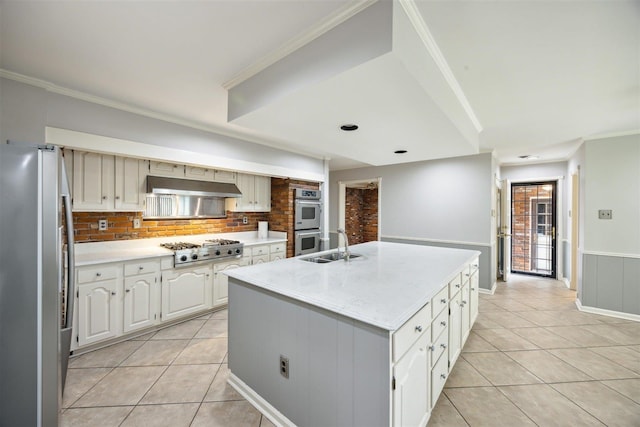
pixel 605 214
pixel 136 223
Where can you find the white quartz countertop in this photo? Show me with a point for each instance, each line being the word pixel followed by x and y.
pixel 128 250
pixel 384 287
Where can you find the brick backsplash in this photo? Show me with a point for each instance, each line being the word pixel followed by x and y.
pixel 120 224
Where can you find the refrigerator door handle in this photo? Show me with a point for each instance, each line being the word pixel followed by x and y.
pixel 71 283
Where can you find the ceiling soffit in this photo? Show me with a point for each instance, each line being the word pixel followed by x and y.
pixel 379 69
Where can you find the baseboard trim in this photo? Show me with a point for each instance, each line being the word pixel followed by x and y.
pixel 566 282
pixel 275 416
pixel 610 313
pixel 489 291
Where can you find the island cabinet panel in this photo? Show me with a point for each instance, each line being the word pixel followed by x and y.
pixel 338 368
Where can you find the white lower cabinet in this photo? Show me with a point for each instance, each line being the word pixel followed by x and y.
pixel 97 310
pixel 186 290
pixel 221 280
pixel 474 293
pixel 141 294
pixel 455 328
pixel 411 405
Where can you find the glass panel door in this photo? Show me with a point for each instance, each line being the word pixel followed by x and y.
pixel 533 228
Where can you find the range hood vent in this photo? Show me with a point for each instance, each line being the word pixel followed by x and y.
pixel 188 187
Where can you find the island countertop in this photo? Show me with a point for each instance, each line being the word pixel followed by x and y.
pixel 384 287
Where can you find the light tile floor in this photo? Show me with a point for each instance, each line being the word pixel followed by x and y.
pixel 531 359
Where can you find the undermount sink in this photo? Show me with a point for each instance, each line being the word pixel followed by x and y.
pixel 330 257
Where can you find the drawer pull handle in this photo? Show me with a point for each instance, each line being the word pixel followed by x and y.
pixel 443 300
pixel 443 345
pixel 419 328
pixel 443 323
pixel 443 376
pixel 98 274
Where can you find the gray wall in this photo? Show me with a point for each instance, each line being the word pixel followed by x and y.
pixel 29 109
pixel 610 249
pixel 444 202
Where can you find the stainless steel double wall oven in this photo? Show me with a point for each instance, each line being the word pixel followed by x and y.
pixel 308 221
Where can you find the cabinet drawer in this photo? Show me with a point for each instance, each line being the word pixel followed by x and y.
pixel 473 266
pixel 455 284
pixel 166 263
pixel 260 250
pixel 440 301
pixel 439 347
pixel 95 274
pixel 439 324
pixel 141 267
pixel 438 378
pixel 259 259
pixel 277 248
pixel 408 333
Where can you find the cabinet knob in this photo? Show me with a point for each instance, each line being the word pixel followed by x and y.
pixel 443 300
pixel 473 289
pixel 464 302
pixel 458 286
pixel 128 290
pixel 443 323
pixel 467 274
pixel 443 376
pixel 419 328
pixel 117 197
pixel 104 197
pixel 98 274
pixel 113 293
pixel 432 347
pixel 140 268
pixel 443 345
pixel 475 265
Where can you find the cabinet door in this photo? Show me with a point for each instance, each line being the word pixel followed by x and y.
pixel 97 311
pixel 474 293
pixel 221 280
pixel 439 375
pixel 185 291
pixel 455 327
pixel 411 394
pixel 93 181
pixel 262 197
pixel 260 259
pixel 202 174
pixel 130 177
pixel 464 307
pixel 140 310
pixel 166 169
pixel 246 185
pixel 224 176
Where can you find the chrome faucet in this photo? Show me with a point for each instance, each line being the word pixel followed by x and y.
pixel 347 254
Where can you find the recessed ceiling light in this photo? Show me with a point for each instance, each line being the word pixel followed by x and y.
pixel 349 127
pixel 400 151
pixel 528 157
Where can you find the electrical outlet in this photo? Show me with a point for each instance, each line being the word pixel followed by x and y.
pixel 245 220
pixel 284 366
pixel 136 223
pixel 102 224
pixel 605 214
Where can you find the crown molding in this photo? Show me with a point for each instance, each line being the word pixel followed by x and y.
pixel 315 31
pixel 612 134
pixel 429 42
pixel 82 96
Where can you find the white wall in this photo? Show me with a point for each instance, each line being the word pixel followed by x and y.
pixel 612 181
pixel 447 199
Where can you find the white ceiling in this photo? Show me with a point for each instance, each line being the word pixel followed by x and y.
pixel 539 75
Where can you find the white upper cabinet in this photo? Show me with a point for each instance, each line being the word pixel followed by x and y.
pixel 256 194
pixel 224 176
pixel 93 181
pixel 202 174
pixel 102 182
pixel 171 170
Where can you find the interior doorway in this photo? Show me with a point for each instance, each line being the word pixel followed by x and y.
pixel 533 228
pixel 359 212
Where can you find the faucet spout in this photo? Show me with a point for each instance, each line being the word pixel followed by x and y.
pixel 347 254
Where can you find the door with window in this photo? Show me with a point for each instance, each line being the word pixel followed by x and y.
pixel 533 228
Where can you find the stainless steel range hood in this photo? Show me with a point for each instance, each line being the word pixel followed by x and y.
pixel 171 198
pixel 188 187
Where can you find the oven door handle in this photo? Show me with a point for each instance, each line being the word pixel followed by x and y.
pixel 308 233
pixel 309 202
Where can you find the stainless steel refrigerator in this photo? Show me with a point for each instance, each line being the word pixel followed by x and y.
pixel 35 324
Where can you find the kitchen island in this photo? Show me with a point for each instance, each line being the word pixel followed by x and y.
pixel 368 342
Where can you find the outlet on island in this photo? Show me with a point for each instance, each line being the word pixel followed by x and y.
pixel 284 366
